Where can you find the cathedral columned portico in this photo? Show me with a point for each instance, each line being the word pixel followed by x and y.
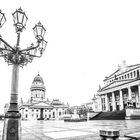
pixel 121 88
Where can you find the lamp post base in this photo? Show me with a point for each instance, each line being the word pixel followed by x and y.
pixel 12 126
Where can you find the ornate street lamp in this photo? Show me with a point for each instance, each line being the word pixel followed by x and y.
pixel 18 57
pixel 20 20
pixel 2 18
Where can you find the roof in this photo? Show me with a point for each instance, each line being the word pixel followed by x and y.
pixel 38 83
pixel 44 104
pixel 38 78
pixel 117 83
pixel 123 68
pixel 41 105
pixel 56 102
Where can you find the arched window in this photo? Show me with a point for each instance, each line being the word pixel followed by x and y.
pixel 53 114
pixel 59 113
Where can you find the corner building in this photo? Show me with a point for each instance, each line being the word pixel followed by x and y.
pixel 120 88
pixel 38 106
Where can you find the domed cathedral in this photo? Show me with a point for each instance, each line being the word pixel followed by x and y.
pixel 39 107
pixel 37 90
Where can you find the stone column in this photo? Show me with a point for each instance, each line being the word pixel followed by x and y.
pixel 121 100
pixel 106 103
pixel 100 104
pixel 139 95
pixel 129 93
pixel 113 101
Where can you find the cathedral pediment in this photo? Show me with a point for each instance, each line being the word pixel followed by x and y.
pixel 41 105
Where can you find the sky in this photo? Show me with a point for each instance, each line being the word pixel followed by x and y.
pixel 87 40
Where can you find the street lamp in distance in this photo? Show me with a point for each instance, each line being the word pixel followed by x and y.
pixel 18 57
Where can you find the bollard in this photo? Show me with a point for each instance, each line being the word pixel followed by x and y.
pixel 109 134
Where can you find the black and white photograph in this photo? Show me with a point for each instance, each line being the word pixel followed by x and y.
pixel 70 70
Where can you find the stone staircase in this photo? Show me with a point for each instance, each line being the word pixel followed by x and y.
pixel 110 115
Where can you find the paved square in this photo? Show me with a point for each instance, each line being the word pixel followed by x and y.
pixel 67 134
pixel 60 130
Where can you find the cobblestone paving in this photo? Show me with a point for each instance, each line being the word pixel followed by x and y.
pixel 55 130
pixel 59 130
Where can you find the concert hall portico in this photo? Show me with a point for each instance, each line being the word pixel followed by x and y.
pixel 121 87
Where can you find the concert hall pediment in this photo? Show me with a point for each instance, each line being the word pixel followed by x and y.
pixel 115 84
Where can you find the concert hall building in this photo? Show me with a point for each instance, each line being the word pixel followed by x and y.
pixel 120 88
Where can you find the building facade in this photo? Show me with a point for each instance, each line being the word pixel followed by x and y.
pixel 88 105
pixel 38 106
pixel 120 89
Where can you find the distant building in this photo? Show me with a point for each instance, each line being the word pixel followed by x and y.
pixel 88 105
pixel 120 88
pixel 38 106
pixel 77 108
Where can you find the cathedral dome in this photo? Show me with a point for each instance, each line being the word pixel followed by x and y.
pixel 38 83
pixel 39 79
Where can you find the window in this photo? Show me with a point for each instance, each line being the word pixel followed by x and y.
pixel 134 73
pixel 131 74
pixel 128 75
pixel 59 113
pixel 125 76
pixel 53 114
pixel 26 115
pixel 138 73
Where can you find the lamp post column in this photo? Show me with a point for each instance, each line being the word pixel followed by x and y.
pixel 12 123
pixel 18 58
pixel 14 89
